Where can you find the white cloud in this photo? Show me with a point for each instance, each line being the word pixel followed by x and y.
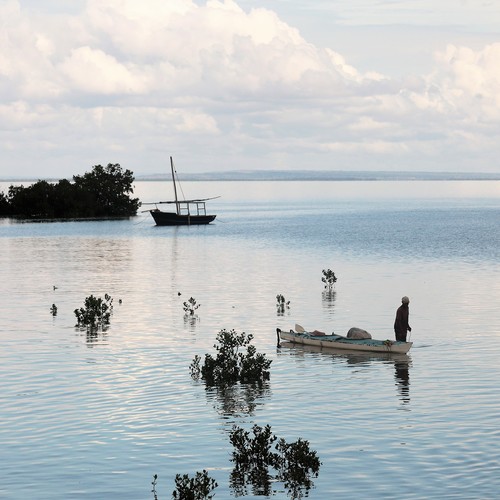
pixel 142 79
pixel 471 79
pixel 94 71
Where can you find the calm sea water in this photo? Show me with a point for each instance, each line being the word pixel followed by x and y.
pixel 97 417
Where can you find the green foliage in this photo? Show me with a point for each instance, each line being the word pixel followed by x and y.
pixel 294 464
pixel 231 365
pixel 281 304
pixel 103 192
pixel 329 278
pixel 260 460
pixel 95 314
pixel 297 464
pixel 190 306
pixel 253 451
pixel 4 205
pixel 199 487
pixel 106 191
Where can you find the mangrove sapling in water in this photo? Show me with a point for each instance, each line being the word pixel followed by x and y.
pixel 190 306
pixel 153 484
pixel 230 365
pixel 297 464
pixel 95 314
pixel 258 464
pixel 294 464
pixel 329 279
pixel 199 487
pixel 281 303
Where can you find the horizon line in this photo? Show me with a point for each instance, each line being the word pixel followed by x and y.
pixel 297 175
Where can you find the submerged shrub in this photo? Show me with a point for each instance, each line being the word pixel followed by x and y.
pixel 190 306
pixel 294 464
pixel 297 465
pixel 329 278
pixel 153 484
pixel 95 314
pixel 199 487
pixel 230 365
pixel 281 303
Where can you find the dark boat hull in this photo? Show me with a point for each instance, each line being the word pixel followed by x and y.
pixel 174 219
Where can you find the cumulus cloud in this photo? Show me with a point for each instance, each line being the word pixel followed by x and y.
pixel 141 79
pixel 93 71
pixel 471 79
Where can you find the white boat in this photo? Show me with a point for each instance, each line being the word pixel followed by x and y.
pixel 339 342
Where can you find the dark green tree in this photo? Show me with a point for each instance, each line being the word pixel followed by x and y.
pixel 329 278
pixel 66 200
pixel 199 487
pixel 294 463
pixel 106 191
pixel 4 205
pixel 231 363
pixel 103 192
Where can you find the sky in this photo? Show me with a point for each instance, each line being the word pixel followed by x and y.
pixel 225 85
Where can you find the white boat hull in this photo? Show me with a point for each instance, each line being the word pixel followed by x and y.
pixel 338 342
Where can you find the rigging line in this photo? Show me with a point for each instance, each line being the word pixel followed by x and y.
pixel 141 220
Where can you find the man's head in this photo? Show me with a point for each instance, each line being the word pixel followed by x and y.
pixel 405 300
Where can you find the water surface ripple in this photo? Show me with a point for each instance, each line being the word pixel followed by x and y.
pixel 97 416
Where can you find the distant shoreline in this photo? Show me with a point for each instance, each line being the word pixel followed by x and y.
pixel 306 175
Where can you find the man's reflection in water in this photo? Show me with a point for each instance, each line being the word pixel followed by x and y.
pixel 402 376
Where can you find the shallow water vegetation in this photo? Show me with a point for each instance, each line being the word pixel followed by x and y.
pixel 199 487
pixel 190 306
pixel 153 484
pixel 95 314
pixel 53 310
pixel 259 465
pixel 329 279
pixel 261 460
pixel 232 364
pixel 281 304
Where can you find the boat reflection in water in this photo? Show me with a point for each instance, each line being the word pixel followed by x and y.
pixel 401 363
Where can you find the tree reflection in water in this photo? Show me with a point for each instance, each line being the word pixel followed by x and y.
pixel 237 399
pixel 328 299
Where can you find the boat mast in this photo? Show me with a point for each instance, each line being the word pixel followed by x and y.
pixel 175 187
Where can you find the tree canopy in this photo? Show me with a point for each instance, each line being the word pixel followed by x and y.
pixel 103 192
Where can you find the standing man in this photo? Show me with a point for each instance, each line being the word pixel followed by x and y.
pixel 401 325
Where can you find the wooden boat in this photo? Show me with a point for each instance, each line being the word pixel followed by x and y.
pixel 338 342
pixel 187 212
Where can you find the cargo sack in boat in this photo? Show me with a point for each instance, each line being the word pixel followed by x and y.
pixel 358 333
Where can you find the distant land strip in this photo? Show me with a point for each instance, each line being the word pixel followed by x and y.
pixel 307 175
pixel 320 175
